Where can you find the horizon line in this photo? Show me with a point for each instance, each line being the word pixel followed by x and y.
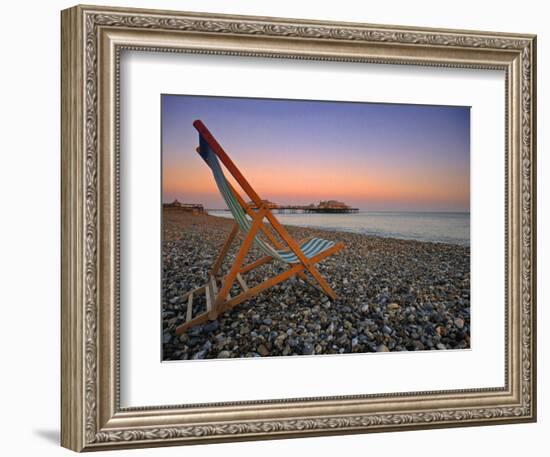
pixel 374 210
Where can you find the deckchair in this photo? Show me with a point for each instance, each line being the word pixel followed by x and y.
pixel 298 257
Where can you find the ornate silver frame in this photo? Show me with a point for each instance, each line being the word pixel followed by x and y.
pixel 92 39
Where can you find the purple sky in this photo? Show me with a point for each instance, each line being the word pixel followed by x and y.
pixel 372 156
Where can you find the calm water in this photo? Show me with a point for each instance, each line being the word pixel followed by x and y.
pixel 422 226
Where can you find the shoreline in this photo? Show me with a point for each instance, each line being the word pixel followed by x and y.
pixel 394 295
pixel 345 230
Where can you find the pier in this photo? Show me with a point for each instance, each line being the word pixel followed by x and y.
pixel 312 210
pixel 324 207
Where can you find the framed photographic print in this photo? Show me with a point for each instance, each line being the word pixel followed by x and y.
pixel 282 228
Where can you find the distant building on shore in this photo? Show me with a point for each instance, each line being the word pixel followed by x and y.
pixel 194 208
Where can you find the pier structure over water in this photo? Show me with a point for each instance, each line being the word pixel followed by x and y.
pixel 314 209
pixel 295 209
pixel 325 207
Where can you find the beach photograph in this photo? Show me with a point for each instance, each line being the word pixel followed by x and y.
pixel 311 228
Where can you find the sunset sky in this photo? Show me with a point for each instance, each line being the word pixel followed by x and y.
pixel 371 156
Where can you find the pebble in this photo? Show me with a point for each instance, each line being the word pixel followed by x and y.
pixel 203 352
pixel 194 331
pixel 212 326
pixel 308 349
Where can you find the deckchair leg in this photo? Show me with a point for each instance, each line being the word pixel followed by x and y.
pixel 237 263
pixel 200 319
pixel 225 249
pixel 317 275
pixel 306 279
pixel 322 281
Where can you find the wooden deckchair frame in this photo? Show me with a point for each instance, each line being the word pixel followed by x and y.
pixel 217 289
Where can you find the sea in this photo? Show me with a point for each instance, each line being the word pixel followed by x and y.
pixel 441 227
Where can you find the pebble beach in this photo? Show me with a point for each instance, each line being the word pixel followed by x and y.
pixel 393 295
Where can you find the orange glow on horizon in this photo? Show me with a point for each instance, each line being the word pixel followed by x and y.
pixel 286 183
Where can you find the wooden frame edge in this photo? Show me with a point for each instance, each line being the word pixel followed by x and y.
pixel 72 218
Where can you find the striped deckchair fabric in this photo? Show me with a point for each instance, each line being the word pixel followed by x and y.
pixel 310 247
pixel 300 257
